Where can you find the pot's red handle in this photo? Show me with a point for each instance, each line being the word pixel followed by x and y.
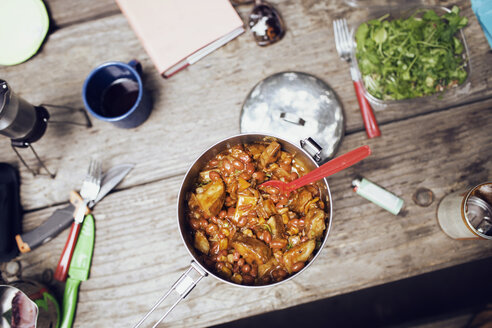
pixel 372 128
pixel 183 287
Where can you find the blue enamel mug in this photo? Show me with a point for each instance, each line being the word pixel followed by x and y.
pixel 113 92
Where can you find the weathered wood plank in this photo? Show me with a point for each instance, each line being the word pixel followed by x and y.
pixel 139 253
pixel 67 12
pixel 193 109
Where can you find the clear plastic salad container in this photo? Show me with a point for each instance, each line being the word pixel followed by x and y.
pixel 405 11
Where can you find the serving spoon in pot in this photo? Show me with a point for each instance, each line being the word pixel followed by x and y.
pixel 327 169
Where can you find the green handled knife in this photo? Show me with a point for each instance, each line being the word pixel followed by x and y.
pixel 78 270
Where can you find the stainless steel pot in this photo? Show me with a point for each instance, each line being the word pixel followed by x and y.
pixel 198 270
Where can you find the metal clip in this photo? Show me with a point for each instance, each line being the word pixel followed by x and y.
pixel 312 148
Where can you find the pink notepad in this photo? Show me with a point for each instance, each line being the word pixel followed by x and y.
pixel 178 33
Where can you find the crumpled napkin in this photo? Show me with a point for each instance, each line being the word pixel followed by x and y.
pixel 483 11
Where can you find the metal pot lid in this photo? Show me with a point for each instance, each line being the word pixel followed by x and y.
pixel 298 107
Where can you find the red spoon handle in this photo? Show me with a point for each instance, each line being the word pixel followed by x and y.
pixel 61 271
pixel 372 128
pixel 332 167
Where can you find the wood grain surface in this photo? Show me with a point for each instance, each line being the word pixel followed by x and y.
pixel 139 253
pixel 210 92
pixel 444 145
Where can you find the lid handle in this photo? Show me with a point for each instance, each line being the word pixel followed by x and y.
pixel 292 118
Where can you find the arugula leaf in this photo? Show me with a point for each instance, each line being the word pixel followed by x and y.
pixel 412 57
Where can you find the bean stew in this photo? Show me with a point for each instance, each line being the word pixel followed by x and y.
pixel 255 235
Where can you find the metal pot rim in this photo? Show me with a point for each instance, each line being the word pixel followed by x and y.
pixel 182 193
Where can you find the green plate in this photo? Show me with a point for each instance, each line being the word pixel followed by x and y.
pixel 23 27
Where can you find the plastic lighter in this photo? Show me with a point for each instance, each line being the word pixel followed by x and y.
pixel 378 195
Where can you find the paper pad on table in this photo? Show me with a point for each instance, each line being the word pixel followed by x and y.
pixel 177 33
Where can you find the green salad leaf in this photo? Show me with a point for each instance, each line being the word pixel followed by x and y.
pixel 412 57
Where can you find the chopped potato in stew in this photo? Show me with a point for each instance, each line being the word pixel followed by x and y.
pixel 251 235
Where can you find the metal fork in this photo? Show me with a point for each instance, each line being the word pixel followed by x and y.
pixel 88 192
pixel 90 187
pixel 345 48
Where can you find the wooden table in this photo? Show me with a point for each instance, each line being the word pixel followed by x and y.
pixel 443 146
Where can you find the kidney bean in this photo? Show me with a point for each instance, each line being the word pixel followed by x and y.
pixel 267 237
pixel 259 234
pixel 219 265
pixel 259 176
pixel 213 163
pixel 238 164
pixel 294 223
pixel 203 223
pixel 243 220
pixel 248 280
pixel 214 220
pixel 227 167
pixel 298 266
pixel 214 176
pixel 241 262
pixel 272 190
pixel 250 168
pixel 254 271
pixel 246 268
pixel 222 214
pixel 236 255
pixel 215 248
pixel 282 202
pixel 279 274
pixel 195 224
pixel 243 157
pixel 278 243
pixel 211 229
pixel 236 268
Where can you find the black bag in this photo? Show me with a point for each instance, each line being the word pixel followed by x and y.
pixel 10 212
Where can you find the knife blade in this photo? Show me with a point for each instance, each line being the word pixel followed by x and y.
pixel 79 270
pixel 62 218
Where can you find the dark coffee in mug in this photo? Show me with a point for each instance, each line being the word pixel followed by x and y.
pixel 114 92
pixel 119 97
